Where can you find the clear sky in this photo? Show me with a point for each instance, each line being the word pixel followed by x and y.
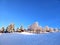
pixel 26 12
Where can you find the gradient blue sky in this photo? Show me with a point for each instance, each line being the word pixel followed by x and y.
pixel 26 12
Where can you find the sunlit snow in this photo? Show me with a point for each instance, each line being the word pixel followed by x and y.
pixel 26 33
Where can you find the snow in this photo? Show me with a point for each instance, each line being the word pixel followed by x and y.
pixel 0 33
pixel 25 38
pixel 26 33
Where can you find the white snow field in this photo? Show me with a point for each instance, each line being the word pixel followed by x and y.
pixel 30 39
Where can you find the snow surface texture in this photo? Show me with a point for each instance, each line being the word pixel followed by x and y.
pixel 29 39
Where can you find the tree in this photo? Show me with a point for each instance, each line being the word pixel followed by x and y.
pixel 2 29
pixel 46 29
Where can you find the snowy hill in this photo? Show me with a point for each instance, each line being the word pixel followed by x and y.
pixel 29 39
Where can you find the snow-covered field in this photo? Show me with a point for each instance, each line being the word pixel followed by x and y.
pixel 30 39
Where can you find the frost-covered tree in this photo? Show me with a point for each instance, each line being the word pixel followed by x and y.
pixel 46 29
pixel 51 29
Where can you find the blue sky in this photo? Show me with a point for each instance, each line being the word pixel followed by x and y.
pixel 26 12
